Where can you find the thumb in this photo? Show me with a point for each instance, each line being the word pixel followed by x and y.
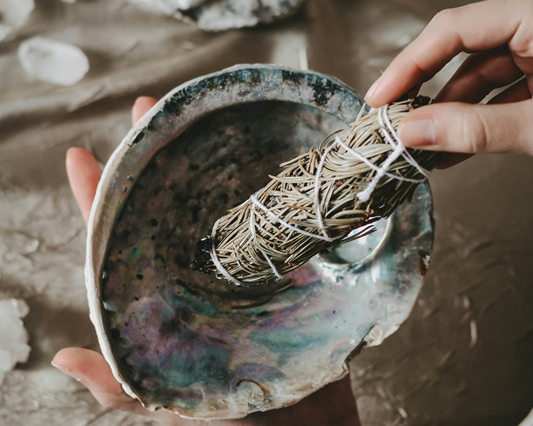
pixel 465 128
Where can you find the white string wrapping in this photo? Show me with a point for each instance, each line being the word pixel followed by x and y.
pixel 399 149
pixel 380 171
pixel 214 258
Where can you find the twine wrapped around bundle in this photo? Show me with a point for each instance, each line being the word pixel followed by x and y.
pixel 326 197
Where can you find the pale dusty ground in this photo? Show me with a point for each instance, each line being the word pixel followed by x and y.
pixel 430 372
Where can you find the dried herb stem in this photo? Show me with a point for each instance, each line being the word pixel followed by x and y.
pixel 247 233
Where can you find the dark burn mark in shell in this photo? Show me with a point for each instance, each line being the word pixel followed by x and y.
pixel 292 77
pixel 159 258
pixel 153 122
pixel 323 88
pixel 174 104
pixel 195 211
pixel 138 138
pixel 176 323
pixel 423 259
pixel 223 198
pixel 181 261
pixel 323 91
pixel 251 77
pixel 188 287
pixel 202 257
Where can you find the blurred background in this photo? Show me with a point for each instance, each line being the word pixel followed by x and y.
pixel 464 357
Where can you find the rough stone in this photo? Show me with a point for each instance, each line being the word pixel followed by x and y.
pixel 220 15
pixel 13 336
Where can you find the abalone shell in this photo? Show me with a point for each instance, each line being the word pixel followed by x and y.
pixel 201 347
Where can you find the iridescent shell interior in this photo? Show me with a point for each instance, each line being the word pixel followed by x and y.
pixel 199 346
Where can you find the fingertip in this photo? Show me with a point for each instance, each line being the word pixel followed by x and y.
pixel 90 368
pixel 370 94
pixel 71 152
pixel 142 100
pixel 376 100
pixel 65 361
pixel 418 129
pixel 141 106
pixel 79 159
pixel 62 357
pixel 417 133
pixel 384 92
pixel 74 154
pixel 80 360
pixel 371 102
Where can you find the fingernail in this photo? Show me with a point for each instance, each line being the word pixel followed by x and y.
pixel 418 133
pixel 68 371
pixel 372 89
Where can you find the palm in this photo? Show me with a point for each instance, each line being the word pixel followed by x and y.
pixel 331 405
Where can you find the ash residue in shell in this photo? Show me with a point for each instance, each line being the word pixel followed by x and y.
pixel 202 257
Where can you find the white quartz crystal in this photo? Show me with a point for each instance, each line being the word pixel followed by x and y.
pixel 167 6
pixel 221 15
pixel 13 336
pixel 53 61
pixel 13 14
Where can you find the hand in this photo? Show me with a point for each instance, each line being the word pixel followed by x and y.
pixel 500 35
pixel 331 405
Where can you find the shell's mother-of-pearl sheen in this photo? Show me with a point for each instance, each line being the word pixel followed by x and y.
pixel 202 347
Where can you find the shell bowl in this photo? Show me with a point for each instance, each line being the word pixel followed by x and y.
pixel 198 346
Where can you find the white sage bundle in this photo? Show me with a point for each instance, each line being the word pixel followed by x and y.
pixel 328 196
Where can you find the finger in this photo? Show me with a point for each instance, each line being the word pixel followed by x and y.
pixel 516 93
pixel 83 174
pixel 141 107
pixel 475 27
pixel 468 129
pixel 91 369
pixel 479 75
